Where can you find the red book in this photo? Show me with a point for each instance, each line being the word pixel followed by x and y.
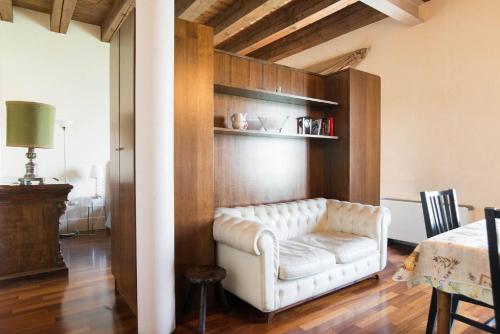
pixel 331 125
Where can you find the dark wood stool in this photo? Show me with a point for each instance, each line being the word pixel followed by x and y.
pixel 204 275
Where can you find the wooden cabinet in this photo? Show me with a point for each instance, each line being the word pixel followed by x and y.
pixel 254 169
pixel 29 225
pixel 355 160
pixel 122 170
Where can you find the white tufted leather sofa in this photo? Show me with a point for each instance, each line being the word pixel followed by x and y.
pixel 280 254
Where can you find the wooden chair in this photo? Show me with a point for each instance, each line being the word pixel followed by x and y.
pixel 440 215
pixel 491 215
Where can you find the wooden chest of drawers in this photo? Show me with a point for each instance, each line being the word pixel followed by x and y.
pixel 29 230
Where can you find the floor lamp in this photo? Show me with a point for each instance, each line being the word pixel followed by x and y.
pixel 65 124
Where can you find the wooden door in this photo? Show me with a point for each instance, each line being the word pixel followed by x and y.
pixel 122 166
pixel 114 163
pixel 128 282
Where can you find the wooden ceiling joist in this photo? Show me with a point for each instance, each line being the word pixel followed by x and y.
pixel 62 12
pixel 190 10
pixel 404 11
pixel 119 12
pixel 348 19
pixel 284 21
pixel 240 16
pixel 6 13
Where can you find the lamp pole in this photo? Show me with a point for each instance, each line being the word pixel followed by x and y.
pixel 65 124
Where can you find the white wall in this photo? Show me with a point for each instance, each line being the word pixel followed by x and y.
pixel 154 161
pixel 69 71
pixel 440 98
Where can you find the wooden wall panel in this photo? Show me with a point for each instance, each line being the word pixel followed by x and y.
pixel 193 148
pixel 314 85
pixel 253 170
pixel 337 89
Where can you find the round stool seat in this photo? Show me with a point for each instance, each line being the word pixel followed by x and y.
pixel 205 274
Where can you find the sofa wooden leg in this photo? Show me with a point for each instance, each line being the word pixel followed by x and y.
pixel 269 317
pixel 376 276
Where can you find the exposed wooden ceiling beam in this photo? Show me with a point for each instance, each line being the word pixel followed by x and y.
pixel 60 17
pixel 348 19
pixel 241 15
pixel 190 10
pixel 6 13
pixel 284 21
pixel 119 12
pixel 404 11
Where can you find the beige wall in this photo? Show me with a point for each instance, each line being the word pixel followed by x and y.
pixel 440 98
pixel 70 71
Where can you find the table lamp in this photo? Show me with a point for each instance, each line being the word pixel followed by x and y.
pixel 31 125
pixel 96 173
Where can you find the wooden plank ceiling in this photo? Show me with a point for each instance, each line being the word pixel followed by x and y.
pixel 109 14
pixel 274 29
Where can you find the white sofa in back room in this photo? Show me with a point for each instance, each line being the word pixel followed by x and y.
pixel 279 255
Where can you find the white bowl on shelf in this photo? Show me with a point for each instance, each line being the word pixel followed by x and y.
pixel 254 124
pixel 273 124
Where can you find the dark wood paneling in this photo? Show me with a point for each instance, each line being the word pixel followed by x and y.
pixel 193 148
pixel 314 85
pixel 338 164
pixel 29 225
pixel 355 161
pixel 122 164
pixel 253 170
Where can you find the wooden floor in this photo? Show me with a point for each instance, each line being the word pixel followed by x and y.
pixel 85 303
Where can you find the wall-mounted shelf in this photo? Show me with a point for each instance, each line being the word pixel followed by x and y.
pixel 272 96
pixel 255 133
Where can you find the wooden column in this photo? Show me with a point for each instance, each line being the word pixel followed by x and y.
pixel 193 149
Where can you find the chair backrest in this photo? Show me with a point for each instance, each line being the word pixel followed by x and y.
pixel 491 215
pixel 440 211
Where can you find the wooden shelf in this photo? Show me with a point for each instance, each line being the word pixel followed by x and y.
pixel 256 133
pixel 272 96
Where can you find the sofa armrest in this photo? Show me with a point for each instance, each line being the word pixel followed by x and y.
pixel 242 234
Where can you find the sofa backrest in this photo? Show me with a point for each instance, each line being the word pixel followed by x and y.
pixel 287 220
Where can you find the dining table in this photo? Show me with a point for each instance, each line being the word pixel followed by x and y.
pixel 453 262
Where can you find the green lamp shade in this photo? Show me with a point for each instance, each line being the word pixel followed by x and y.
pixel 30 124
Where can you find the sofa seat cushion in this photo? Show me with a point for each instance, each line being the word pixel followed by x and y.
pixel 347 247
pixel 298 260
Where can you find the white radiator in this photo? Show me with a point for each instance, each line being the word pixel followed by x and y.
pixel 407 223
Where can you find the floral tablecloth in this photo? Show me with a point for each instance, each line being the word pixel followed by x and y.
pixel 454 262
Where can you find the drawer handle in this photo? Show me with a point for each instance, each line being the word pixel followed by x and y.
pixel 119 149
